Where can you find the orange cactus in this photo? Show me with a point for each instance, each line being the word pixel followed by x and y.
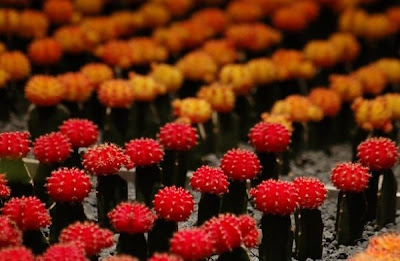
pixel 167 75
pixel 262 70
pixel 173 38
pixel 240 11
pixel 391 68
pixel 197 33
pixel 291 64
pixel 43 90
pixel 328 100
pixel 393 102
pixel 16 64
pixel 103 28
pixel 348 87
pixel 238 76
pixel 145 51
pixel 3 48
pixel 386 245
pixel 75 40
pixel 116 53
pixel 33 24
pixel 198 66
pixel 45 51
pixel 298 109
pixel 9 21
pixel 4 77
pixel 197 110
pixel 59 11
pixel 126 22
pixel 78 88
pixel 213 18
pixel 154 14
pixel 177 7
pixel 116 94
pixel 353 21
pixel 254 36
pixel 278 118
pixel 346 45
pixel 289 19
pixel 221 97
pixel 372 78
pixel 372 114
pixel 378 26
pixel 310 9
pixel 89 7
pixel 393 14
pixel 145 88
pixel 223 51
pixel 322 53
pixel 97 73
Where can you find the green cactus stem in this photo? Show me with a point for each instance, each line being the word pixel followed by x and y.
pixel 237 254
pixel 351 217
pixel 235 201
pixel 345 122
pixel 270 167
pixel 74 160
pixel 5 105
pixel 244 108
pixel 371 194
pixel 44 120
pixel 209 205
pixel 308 234
pixel 64 214
pixel 205 146
pixel 387 200
pixel 148 181
pixel 36 241
pixel 118 125
pixel 277 240
pixel 160 235
pixel 163 107
pixel 284 162
pixel 111 190
pixel 174 168
pixel 40 180
pixel 146 120
pixel 18 177
pixel 132 244
pixel 227 132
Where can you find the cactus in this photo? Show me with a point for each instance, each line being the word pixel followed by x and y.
pixel 64 251
pixel 192 244
pixel 17 253
pixel 387 200
pixel 12 234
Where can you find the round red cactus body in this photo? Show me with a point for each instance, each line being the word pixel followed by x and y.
pixel 121 258
pixel 10 235
pixel 68 185
pixel 350 177
pixel 275 197
pixel 249 231
pixel 80 132
pixel 224 231
pixel 105 159
pixel 269 137
pixel 132 218
pixel 4 189
pixel 52 148
pixel 14 145
pixel 192 244
pixel 89 236
pixel 29 213
pixel 165 257
pixel 64 252
pixel 16 254
pixel 144 151
pixel 378 153
pixel 239 164
pixel 211 180
pixel 178 136
pixel 173 204
pixel 312 192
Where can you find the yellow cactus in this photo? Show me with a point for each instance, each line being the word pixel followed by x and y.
pixel 145 88
pixel 89 7
pixel 16 64
pixel 196 109
pixel 347 46
pixel 322 53
pixel 348 87
pixel 372 78
pixel 372 114
pixel 291 64
pixel 238 76
pixel 9 21
pixel 278 118
pixel 168 75
pixel 387 245
pixel 116 94
pixel 391 67
pixel 4 77
pixel 198 66
pixel 262 70
pixel 328 100
pixel 393 102
pixel 221 97
pixel 44 90
pixel 97 73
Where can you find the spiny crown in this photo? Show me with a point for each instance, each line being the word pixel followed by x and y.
pixel 18 253
pixel 240 164
pixel 178 136
pixel 10 234
pixel 80 132
pixel 14 145
pixel 192 244
pixel 378 153
pixel 269 137
pixel 312 192
pixel 211 180
pixel 144 151
pixel 350 177
pixel 248 229
pixel 275 197
pixel 52 148
pixel 67 251
pixel 4 189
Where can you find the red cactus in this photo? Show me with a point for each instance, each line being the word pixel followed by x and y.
pixel 173 204
pixel 10 234
pixel 14 145
pixel 378 153
pixel 121 258
pixel 80 132
pixel 192 244
pixel 211 180
pixel 52 148
pixel 29 213
pixel 105 159
pixel 165 257
pixel 269 137
pixel 88 235
pixel 63 252
pixel 275 197
pixel 68 185
pixel 4 189
pixel 16 254
pixel 239 164
pixel 178 136
pixel 224 232
pixel 249 231
pixel 312 192
pixel 350 177
pixel 132 218
pixel 144 151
